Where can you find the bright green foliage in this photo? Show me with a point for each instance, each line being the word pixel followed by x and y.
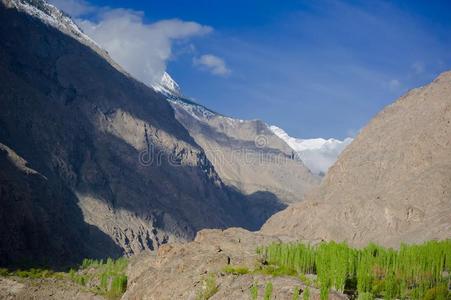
pixel 296 293
pixel 306 294
pixel 110 275
pixel 268 291
pixel 208 288
pixel 81 279
pixel 299 257
pixel 412 272
pixel 236 270
pixel 91 263
pixel 365 296
pixel 254 291
pixel 118 286
pixel 30 273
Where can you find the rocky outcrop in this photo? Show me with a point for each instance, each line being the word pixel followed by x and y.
pixel 247 155
pixel 94 163
pixel 392 184
pixel 179 271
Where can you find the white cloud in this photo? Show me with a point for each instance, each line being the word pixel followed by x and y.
pixel 142 49
pixel 394 84
pixel 213 64
pixel 320 159
pixel 418 67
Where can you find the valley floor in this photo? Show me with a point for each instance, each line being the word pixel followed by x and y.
pixel 43 288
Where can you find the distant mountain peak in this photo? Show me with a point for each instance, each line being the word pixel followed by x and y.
pixel 318 154
pixel 168 86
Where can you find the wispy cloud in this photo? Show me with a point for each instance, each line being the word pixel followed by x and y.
pixel 327 67
pixel 394 84
pixel 418 67
pixel 141 48
pixel 213 64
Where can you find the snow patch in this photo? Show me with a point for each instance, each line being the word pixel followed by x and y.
pixel 168 86
pixel 317 154
pixel 52 16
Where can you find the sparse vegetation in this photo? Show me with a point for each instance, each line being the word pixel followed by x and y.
pixel 306 294
pixel 109 273
pixel 106 278
pixel 254 291
pixel 208 289
pixel 30 273
pixel 296 292
pixel 236 270
pixel 414 272
pixel 268 291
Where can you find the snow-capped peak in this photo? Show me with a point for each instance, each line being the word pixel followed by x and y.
pixel 317 154
pixel 168 86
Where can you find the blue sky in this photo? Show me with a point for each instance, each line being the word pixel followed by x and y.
pixel 314 68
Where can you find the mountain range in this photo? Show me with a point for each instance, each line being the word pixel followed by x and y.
pixel 94 158
pixel 96 164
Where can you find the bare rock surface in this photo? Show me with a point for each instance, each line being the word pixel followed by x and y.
pixel 247 155
pixel 391 185
pixel 179 271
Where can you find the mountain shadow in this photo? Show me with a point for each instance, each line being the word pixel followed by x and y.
pixel 73 128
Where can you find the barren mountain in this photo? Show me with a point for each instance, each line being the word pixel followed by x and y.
pixel 180 271
pixel 247 155
pixel 391 185
pixel 93 162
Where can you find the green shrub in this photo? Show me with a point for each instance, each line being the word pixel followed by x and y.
pixel 208 289
pixel 4 272
pixel 236 270
pixel 268 291
pixel 108 275
pixel 254 291
pixel 306 294
pixel 32 273
pixel 118 286
pixel 365 296
pixel 296 291
pixel 373 271
pixel 438 293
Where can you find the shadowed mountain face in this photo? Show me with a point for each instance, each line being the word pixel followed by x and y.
pixel 94 163
pixel 392 184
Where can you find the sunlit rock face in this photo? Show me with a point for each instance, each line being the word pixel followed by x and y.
pixel 391 184
pixel 247 155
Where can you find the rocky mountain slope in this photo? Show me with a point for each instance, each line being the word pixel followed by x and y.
pixel 180 271
pixel 247 155
pixel 392 184
pixel 93 162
